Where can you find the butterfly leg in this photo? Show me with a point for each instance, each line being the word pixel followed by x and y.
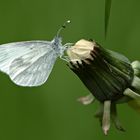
pixel 65 58
pixel 68 45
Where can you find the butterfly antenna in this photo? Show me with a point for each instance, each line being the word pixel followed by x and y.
pixel 63 27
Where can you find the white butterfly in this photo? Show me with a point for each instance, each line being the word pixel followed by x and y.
pixel 30 63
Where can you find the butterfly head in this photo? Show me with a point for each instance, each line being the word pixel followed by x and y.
pixel 57 41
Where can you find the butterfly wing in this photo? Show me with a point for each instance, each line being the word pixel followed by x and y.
pixel 10 51
pixel 28 63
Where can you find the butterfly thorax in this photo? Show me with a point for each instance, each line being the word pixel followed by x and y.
pixel 57 46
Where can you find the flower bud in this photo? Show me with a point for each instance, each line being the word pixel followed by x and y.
pixel 105 73
pixel 109 76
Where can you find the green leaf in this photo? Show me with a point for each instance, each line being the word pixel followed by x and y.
pixel 107 14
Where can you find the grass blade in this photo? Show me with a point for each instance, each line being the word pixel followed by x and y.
pixel 107 14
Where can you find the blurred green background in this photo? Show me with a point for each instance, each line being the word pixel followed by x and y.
pixel 51 112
